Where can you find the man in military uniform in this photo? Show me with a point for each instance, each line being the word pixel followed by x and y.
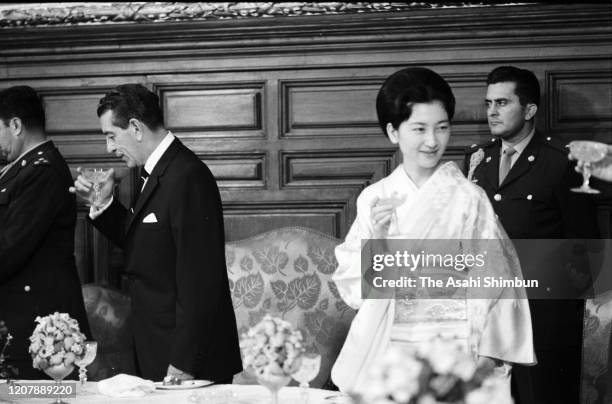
pixel 527 176
pixel 38 275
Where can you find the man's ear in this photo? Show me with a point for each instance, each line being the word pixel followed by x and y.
pixel 137 128
pixel 392 133
pixel 16 126
pixel 530 111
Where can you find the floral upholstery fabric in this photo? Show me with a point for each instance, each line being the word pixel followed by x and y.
pixel 287 273
pixel 596 372
pixel 108 311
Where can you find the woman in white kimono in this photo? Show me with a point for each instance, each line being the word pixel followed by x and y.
pixel 426 199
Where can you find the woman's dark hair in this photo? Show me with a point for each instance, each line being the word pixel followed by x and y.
pixel 129 101
pixel 404 88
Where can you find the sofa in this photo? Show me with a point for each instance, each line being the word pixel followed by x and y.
pixel 284 272
pixel 287 272
pixel 596 375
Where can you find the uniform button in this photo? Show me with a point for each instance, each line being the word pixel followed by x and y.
pixel 497 197
pixel 488 159
pixel 39 153
pixel 530 159
pixel 3 190
pixel 26 288
pixel 529 197
pixel 548 138
pixel 23 163
pixel 496 216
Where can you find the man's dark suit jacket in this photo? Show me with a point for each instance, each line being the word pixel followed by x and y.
pixel 535 202
pixel 182 311
pixel 38 275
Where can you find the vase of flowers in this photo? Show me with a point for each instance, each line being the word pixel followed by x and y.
pixel 439 372
pixel 55 345
pixel 271 350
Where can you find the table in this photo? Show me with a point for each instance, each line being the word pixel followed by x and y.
pixel 217 394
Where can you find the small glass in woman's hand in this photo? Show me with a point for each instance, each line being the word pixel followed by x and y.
pixel 97 176
pixel 394 201
pixel 587 152
pixel 89 354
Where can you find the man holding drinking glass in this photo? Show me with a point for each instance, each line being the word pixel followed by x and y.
pixel 38 274
pixel 183 321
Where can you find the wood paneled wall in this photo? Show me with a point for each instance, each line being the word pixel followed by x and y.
pixel 282 109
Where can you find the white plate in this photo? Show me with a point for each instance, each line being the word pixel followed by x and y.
pixel 186 385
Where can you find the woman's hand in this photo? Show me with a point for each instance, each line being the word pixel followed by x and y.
pixel 381 212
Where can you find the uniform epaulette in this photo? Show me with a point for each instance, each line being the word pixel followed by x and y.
pixel 39 159
pixel 555 143
pixel 484 145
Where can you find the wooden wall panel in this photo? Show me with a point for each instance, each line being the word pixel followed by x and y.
pixel 337 168
pixel 216 109
pixel 324 108
pixel 71 111
pixel 580 102
pixel 282 110
pixel 248 219
pixel 238 170
pixel 469 90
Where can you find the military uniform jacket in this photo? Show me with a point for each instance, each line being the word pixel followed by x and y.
pixel 174 245
pixel 535 200
pixel 37 268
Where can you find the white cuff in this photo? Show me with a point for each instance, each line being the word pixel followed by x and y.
pixel 95 212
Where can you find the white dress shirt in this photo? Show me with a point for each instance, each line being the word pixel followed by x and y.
pixel 150 164
pixel 519 147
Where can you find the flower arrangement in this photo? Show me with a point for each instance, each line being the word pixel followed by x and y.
pixel 6 371
pixel 56 340
pixel 438 372
pixel 272 348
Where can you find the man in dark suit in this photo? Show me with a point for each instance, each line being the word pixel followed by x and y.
pixel 38 274
pixel 183 321
pixel 527 176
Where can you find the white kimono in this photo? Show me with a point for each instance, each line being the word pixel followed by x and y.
pixel 446 206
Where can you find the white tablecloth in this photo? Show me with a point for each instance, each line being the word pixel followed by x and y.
pixel 217 394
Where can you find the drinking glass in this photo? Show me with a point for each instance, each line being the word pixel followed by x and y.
pixel 274 383
pixel 91 348
pixel 309 369
pixel 57 373
pixel 97 176
pixel 587 152
pixel 395 200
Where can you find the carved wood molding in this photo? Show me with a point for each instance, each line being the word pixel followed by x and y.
pixel 37 14
pixel 417 28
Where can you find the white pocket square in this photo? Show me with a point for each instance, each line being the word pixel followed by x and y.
pixel 150 218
